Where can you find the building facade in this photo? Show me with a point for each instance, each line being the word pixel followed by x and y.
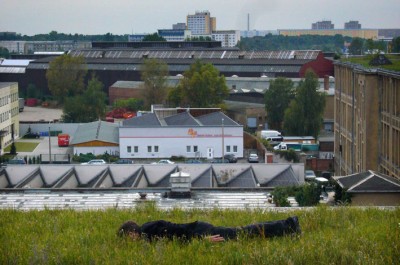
pixel 228 38
pixel 191 133
pixel 323 25
pixel 359 33
pixel 14 46
pixel 201 23
pixel 9 114
pixel 352 25
pixel 367 120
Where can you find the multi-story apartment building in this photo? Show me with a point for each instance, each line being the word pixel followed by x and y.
pixel 9 113
pixel 16 46
pixel 30 47
pixel 354 33
pixel 367 120
pixel 201 23
pixel 323 25
pixel 228 38
pixel 352 24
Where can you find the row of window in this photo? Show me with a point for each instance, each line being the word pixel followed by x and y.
pixel 189 149
pixel 150 149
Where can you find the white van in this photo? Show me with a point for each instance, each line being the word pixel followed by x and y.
pixel 271 135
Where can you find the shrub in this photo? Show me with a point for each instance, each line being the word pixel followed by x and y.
pixel 13 149
pixel 281 195
pixel 308 194
pixel 341 195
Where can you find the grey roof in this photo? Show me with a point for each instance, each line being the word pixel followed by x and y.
pixel 369 181
pixel 215 119
pixel 127 84
pixel 183 118
pixel 159 118
pixel 96 131
pixel 56 177
pixel 198 54
pixel 146 120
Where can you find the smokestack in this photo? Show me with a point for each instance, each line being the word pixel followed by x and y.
pixel 248 22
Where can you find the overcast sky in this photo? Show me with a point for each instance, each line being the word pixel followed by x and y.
pixel 29 17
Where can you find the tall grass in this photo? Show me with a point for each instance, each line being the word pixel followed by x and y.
pixel 341 235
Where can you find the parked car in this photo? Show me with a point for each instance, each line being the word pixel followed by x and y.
pixel 123 161
pixel 253 158
pixel 310 175
pixel 231 158
pixel 164 161
pixel 95 162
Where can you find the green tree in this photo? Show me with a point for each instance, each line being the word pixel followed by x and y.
pixel 13 149
pixel 154 75
pixel 396 44
pixel 4 53
pixel 154 37
pixel 65 76
pixel 277 99
pixel 132 104
pixel 87 107
pixel 356 46
pixel 305 113
pixel 202 86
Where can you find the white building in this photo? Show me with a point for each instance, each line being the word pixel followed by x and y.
pixel 14 46
pixel 190 133
pixel 9 114
pixel 228 38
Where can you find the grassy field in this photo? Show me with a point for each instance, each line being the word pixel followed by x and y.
pixel 364 61
pixel 340 235
pixel 23 147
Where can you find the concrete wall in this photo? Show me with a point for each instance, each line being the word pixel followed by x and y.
pixel 69 128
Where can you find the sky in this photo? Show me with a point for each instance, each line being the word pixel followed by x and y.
pixel 119 17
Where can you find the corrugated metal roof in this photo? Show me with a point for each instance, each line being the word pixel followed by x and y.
pixel 148 175
pixel 12 70
pixel 96 131
pixel 14 62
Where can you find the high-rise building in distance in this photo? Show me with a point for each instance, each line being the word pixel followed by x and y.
pixel 323 25
pixel 352 24
pixel 201 23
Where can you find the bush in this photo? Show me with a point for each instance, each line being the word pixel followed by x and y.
pixel 308 194
pixel 280 195
pixel 341 195
pixel 13 149
pixel 290 155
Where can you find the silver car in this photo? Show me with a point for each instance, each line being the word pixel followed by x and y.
pixel 95 162
pixel 253 158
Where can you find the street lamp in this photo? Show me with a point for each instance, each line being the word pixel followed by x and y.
pixel 223 145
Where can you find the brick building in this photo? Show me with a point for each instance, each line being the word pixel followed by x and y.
pixel 367 120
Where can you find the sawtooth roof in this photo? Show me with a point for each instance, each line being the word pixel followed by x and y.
pixel 13 177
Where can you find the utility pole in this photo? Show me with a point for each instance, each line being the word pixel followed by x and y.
pixel 223 145
pixel 49 146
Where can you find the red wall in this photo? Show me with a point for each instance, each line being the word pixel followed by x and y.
pixel 321 66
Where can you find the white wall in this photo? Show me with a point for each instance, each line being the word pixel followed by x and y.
pixel 173 141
